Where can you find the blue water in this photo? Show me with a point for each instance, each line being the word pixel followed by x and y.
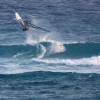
pixel 63 64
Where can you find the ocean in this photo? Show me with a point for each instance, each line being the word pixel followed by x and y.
pixel 63 64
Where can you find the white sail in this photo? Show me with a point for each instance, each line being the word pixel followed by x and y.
pixel 18 17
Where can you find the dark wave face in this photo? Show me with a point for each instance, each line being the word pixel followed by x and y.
pixel 80 50
pixel 11 50
pixel 77 50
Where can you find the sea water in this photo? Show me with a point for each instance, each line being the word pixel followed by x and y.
pixel 63 64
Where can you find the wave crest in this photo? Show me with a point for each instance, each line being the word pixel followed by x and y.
pixel 95 60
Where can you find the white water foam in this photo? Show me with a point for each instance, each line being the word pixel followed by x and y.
pixel 30 40
pixel 95 60
pixel 83 65
pixel 56 47
pixel 42 53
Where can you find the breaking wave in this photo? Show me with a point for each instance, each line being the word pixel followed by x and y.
pixel 50 56
pixel 83 65
pixel 95 60
pixel 52 50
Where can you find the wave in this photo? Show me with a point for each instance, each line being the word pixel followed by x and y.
pixel 45 56
pixel 11 50
pixel 43 51
pixel 83 65
pixel 51 50
pixel 95 60
pixel 80 50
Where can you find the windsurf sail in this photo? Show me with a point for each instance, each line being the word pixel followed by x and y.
pixel 18 17
pixel 24 24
